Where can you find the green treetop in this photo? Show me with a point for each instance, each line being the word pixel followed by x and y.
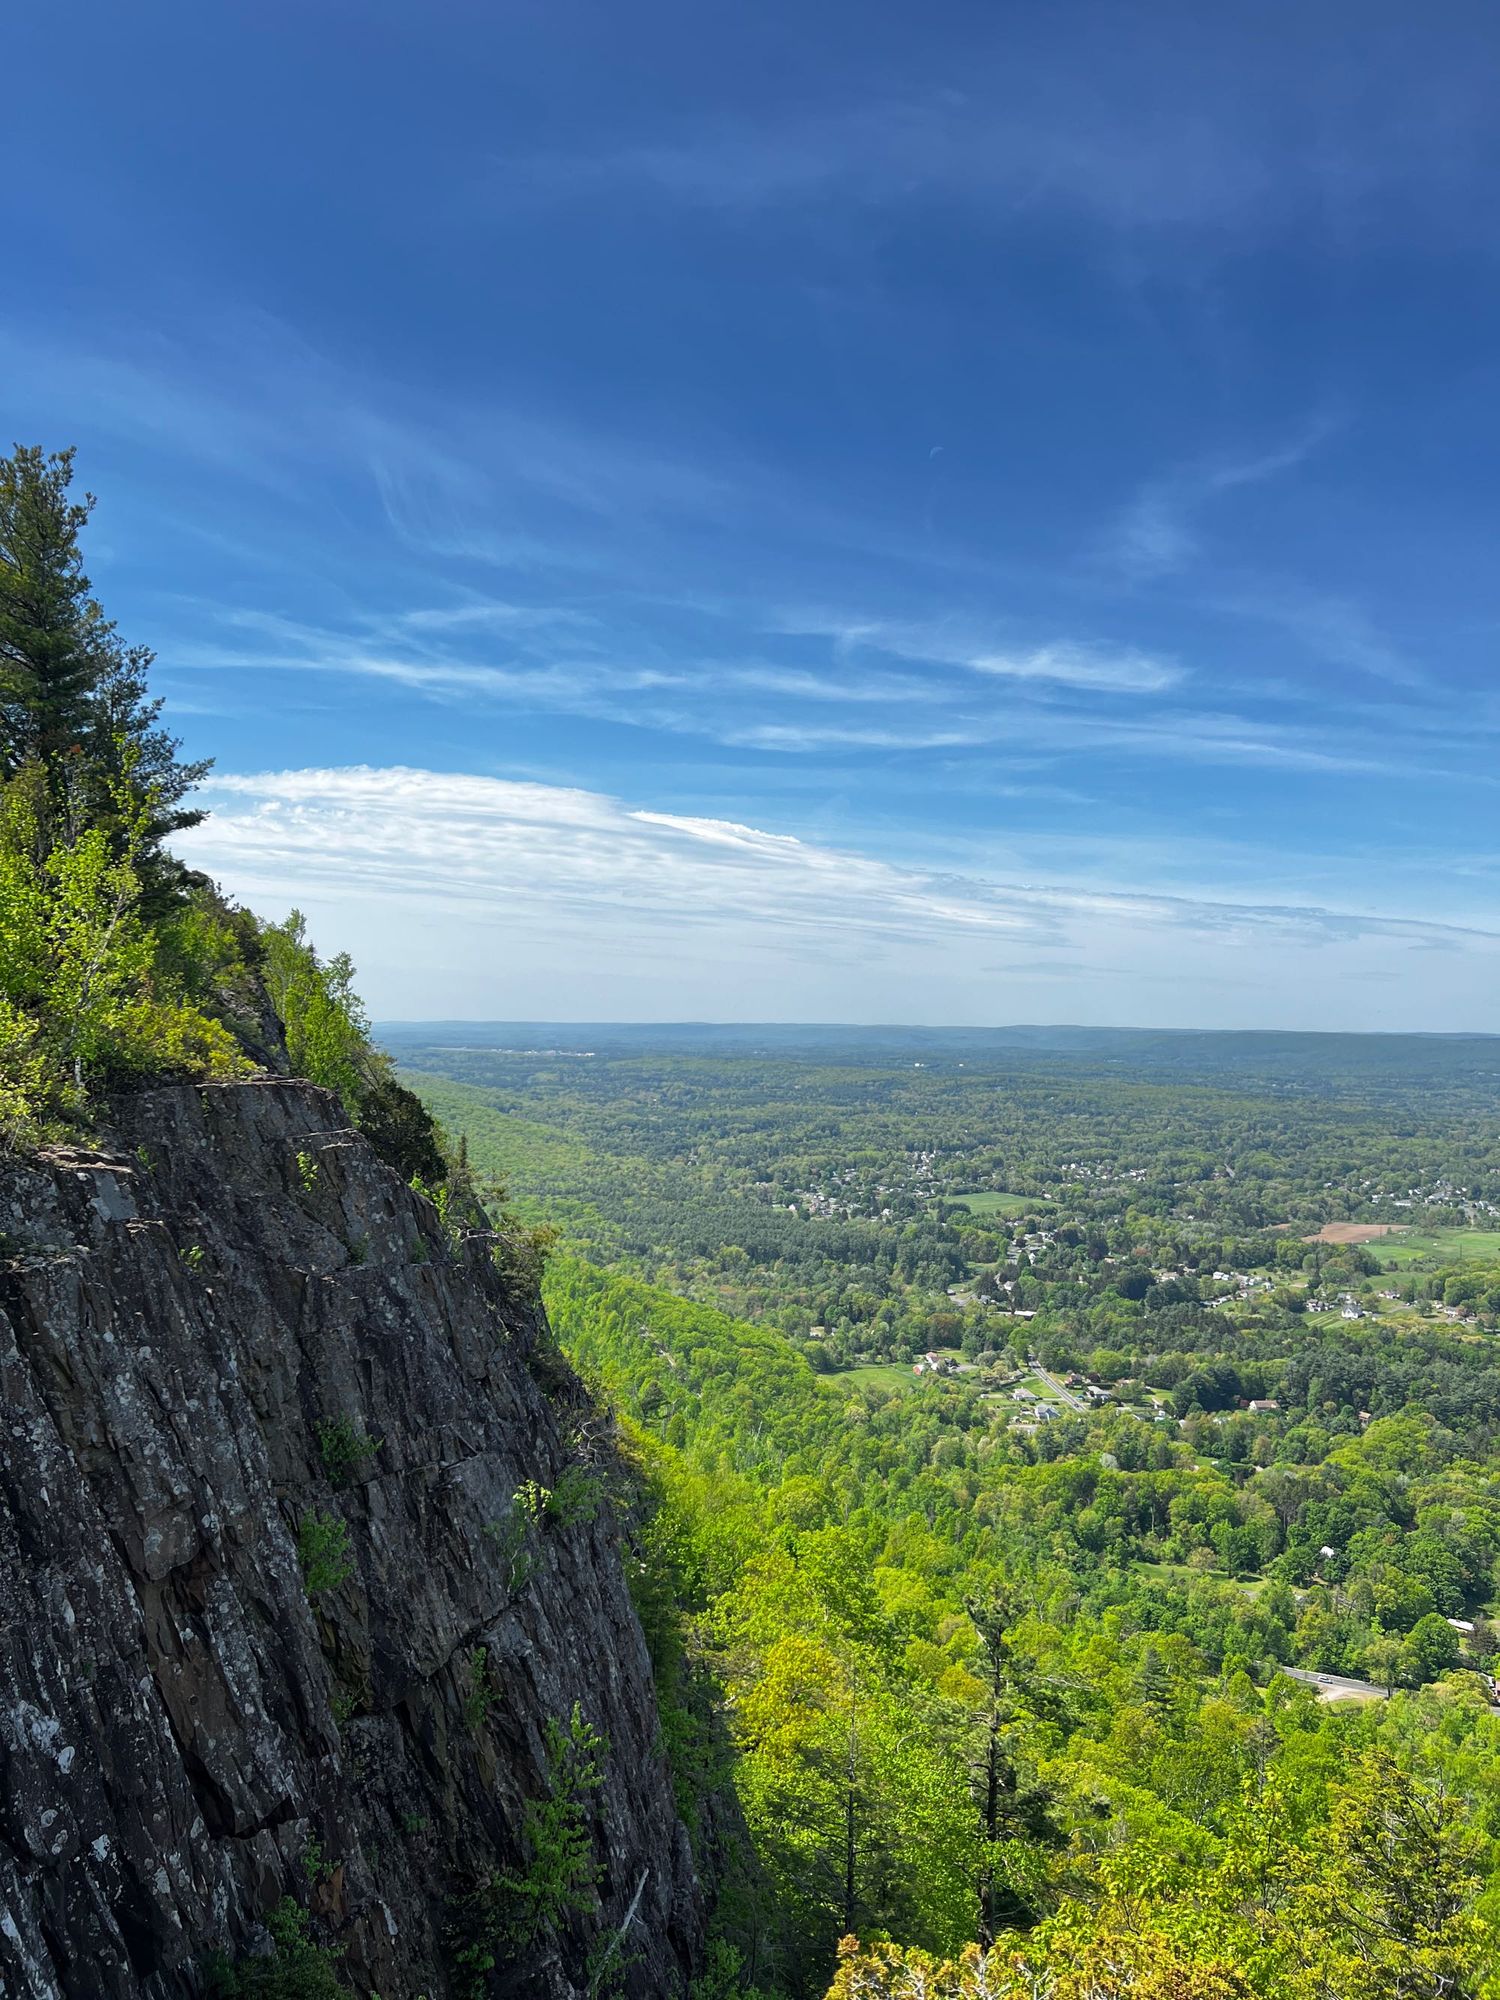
pixel 73 697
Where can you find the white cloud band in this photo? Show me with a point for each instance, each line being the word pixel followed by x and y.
pixel 479 896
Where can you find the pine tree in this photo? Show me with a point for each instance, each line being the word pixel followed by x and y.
pixel 1154 1681
pixel 50 666
pixel 126 716
pixel 1009 1809
pixel 73 698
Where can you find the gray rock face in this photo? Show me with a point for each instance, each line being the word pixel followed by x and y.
pixel 201 1329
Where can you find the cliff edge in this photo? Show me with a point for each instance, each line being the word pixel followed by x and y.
pixel 305 1578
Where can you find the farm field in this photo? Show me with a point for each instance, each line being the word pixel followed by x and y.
pixel 1355 1232
pixel 1439 1246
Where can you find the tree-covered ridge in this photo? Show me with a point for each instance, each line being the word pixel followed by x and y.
pixel 1366 1554
pixel 957 1711
pixel 119 970
pixel 1365 1068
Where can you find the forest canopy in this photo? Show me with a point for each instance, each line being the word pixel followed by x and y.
pixel 1010 1705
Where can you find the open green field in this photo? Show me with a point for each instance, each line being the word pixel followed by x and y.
pixel 876 1374
pixel 1439 1246
pixel 1183 1574
pixel 890 1374
pixel 988 1202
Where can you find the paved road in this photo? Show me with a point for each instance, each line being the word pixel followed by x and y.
pixel 1337 1687
pixel 1063 1395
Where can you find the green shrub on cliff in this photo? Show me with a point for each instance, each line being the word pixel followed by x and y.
pixel 295 1968
pixel 92 993
pixel 105 941
pixel 512 1911
pixel 116 963
pixel 328 1041
pixel 323 1553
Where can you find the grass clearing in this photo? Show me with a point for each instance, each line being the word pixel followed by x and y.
pixel 893 1374
pixel 1184 1574
pixel 1179 1572
pixel 1439 1246
pixel 875 1375
pixel 988 1202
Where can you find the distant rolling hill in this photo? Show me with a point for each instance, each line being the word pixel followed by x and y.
pixel 1363 1064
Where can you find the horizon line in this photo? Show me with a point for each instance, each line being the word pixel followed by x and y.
pixel 931 1028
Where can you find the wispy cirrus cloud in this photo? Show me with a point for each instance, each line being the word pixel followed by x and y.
pixel 494 868
pixel 526 847
pixel 462 836
pixel 1025 139
pixel 1186 739
pixel 1326 626
pixel 602 647
pixel 1159 532
pixel 1213 126
pixel 489 481
pixel 1065 663
pixel 1061 704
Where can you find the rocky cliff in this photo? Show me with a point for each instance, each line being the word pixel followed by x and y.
pixel 286 1607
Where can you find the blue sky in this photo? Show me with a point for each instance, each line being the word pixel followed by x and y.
pixel 961 513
